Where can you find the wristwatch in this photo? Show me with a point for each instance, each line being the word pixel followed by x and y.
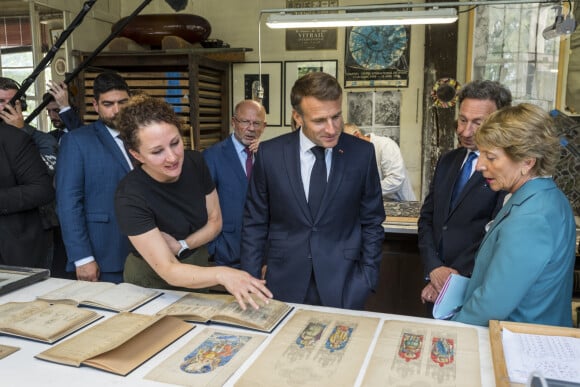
pixel 184 247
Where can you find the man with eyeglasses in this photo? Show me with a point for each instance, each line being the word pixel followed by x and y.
pixel 62 116
pixel 230 163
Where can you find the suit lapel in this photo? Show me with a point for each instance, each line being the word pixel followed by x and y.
pixel 111 145
pixel 292 166
pixel 231 157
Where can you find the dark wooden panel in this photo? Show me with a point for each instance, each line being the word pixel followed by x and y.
pixel 401 278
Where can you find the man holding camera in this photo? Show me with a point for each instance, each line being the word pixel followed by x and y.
pixel 12 115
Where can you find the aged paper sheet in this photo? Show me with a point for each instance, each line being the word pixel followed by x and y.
pixel 225 309
pixel 6 350
pixel 99 339
pixel 415 354
pixel 209 359
pixel 197 306
pixel 314 349
pixel 40 320
pixel 117 297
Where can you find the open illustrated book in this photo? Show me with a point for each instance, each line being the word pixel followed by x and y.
pixel 123 297
pixel 119 344
pixel 42 321
pixel 450 299
pixel 221 308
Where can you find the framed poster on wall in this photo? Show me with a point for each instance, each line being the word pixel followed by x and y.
pixel 377 56
pixel 311 38
pixel 245 85
pixel 294 70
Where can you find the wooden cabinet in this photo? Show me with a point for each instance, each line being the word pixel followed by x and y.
pixel 400 278
pixel 197 87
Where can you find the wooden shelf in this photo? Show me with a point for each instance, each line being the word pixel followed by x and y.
pixel 196 86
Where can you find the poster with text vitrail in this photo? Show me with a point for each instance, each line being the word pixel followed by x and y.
pixel 377 56
pixel 311 38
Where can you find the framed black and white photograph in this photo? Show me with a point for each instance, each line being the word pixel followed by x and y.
pixel 377 112
pixel 246 85
pixel 294 70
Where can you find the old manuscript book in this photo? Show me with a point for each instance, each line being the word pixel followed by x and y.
pixel 416 354
pixel 123 297
pixel 314 349
pixel 42 321
pixel 220 308
pixel 119 344
pixel 209 359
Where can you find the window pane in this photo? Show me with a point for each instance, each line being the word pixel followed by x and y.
pixel 509 48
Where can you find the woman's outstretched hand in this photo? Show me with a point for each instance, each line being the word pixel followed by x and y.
pixel 245 288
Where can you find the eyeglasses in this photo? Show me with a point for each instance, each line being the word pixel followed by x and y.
pixel 246 123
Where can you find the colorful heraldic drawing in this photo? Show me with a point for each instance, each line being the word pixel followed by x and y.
pixel 411 359
pixel 339 338
pixel 313 349
pixel 441 365
pixel 333 349
pixel 408 354
pixel 210 358
pixel 216 351
pixel 411 346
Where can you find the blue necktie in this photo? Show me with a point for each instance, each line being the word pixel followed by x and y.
pixel 317 180
pixel 464 176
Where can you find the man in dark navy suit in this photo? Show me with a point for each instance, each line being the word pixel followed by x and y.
pixel 314 209
pixel 452 220
pixel 230 164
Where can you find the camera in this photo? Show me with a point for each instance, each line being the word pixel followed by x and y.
pixel 23 104
pixel 10 84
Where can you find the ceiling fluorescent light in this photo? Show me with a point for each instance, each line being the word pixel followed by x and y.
pixel 434 16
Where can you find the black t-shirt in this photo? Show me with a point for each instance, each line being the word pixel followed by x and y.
pixel 178 208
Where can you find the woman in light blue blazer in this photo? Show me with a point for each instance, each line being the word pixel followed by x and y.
pixel 524 267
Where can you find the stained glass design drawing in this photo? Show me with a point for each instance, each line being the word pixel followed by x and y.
pixel 411 346
pixel 209 359
pixel 314 349
pixel 408 354
pixel 216 351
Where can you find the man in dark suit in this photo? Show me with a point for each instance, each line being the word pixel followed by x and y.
pixel 62 116
pixel 314 208
pixel 452 223
pixel 25 185
pixel 91 161
pixel 230 164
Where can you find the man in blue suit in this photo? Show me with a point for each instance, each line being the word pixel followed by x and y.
pixel 450 231
pixel 314 209
pixel 91 161
pixel 230 164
